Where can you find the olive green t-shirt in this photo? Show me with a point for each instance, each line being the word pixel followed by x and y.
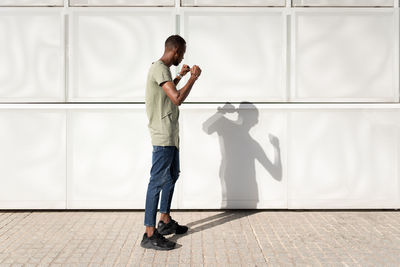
pixel 163 115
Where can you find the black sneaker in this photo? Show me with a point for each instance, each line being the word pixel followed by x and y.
pixel 157 242
pixel 171 228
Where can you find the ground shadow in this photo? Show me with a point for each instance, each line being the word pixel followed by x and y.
pixel 214 220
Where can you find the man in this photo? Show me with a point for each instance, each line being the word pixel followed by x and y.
pixel 162 101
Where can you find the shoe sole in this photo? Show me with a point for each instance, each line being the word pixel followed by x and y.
pixel 170 232
pixel 150 246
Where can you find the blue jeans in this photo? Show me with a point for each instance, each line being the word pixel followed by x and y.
pixel 163 175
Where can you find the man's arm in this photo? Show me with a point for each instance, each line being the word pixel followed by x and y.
pixel 178 96
pixel 275 169
pixel 209 126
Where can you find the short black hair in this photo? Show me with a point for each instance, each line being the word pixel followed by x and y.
pixel 175 41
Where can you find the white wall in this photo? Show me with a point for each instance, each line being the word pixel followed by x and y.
pixel 323 132
pixel 31 2
pixel 112 50
pixel 32 55
pixel 345 55
pixel 99 156
pixel 246 56
pixel 33 158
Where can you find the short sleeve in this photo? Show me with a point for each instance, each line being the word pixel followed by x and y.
pixel 162 74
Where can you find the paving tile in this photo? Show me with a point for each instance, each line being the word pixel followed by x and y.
pixel 215 238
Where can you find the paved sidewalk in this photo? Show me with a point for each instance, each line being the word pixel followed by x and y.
pixel 215 238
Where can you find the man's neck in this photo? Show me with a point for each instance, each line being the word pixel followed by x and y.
pixel 166 61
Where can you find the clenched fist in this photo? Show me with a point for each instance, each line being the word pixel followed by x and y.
pixel 273 140
pixel 227 108
pixel 185 69
pixel 195 71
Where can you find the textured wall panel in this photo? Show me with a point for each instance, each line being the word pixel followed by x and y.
pixel 240 53
pixel 229 161
pixel 109 158
pixel 31 2
pixel 343 159
pixel 112 52
pixel 32 159
pixel 122 2
pixel 31 52
pixel 345 56
pixel 337 3
pixel 233 3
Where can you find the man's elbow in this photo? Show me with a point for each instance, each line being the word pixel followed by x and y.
pixel 177 101
pixel 206 129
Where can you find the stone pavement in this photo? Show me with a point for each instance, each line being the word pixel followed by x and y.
pixel 215 238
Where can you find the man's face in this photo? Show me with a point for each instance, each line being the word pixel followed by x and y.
pixel 179 55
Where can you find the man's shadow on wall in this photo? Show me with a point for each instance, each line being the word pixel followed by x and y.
pixel 239 152
pixel 237 173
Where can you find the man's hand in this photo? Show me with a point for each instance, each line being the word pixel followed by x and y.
pixel 195 71
pixel 185 69
pixel 227 108
pixel 274 140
